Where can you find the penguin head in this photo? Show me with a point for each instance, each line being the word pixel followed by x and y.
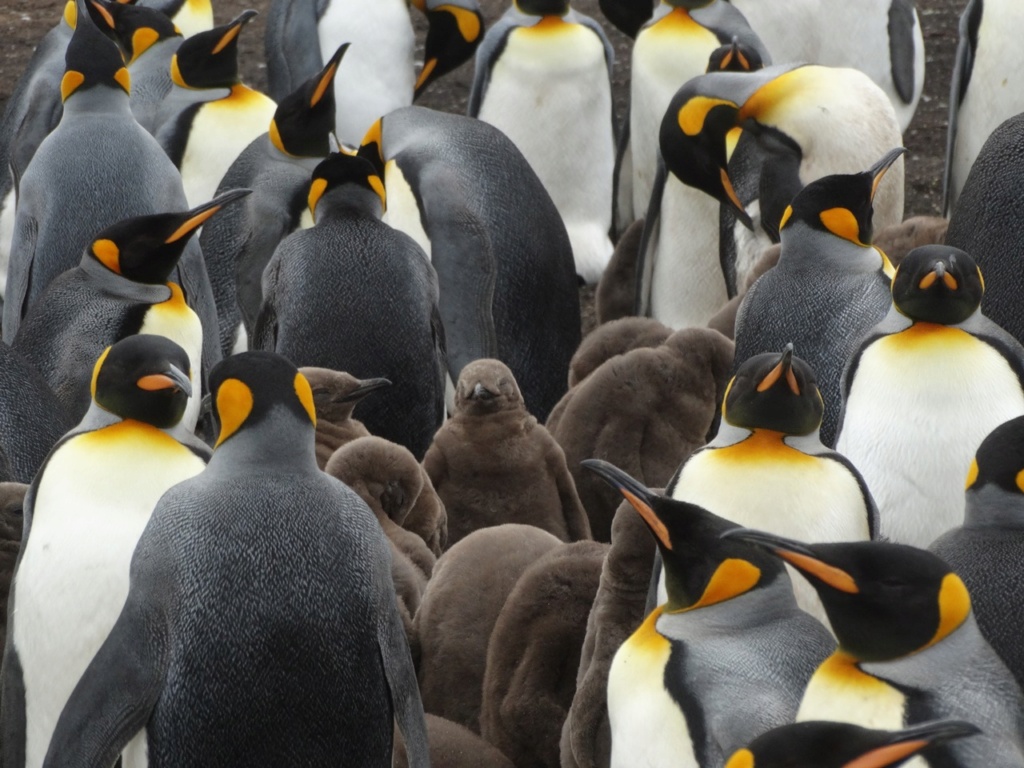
pixel 145 378
pixel 542 7
pixel 688 5
pixel 138 27
pixel 701 568
pixel 995 479
pixel 456 29
pixel 304 119
pixel 735 57
pixel 883 600
pixel 820 744
pixel 146 249
pixel 336 393
pixel 210 59
pixel 92 59
pixel 372 146
pixel 774 391
pixel 339 170
pixel 248 388
pixel 938 284
pixel 841 204
pixel 486 386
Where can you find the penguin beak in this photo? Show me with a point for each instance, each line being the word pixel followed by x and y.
pixel 800 556
pixel 640 497
pixel 480 392
pixel 172 378
pixel 366 386
pixel 195 218
pixel 878 170
pixel 910 741
pixel 784 368
pixel 327 75
pixel 234 27
pixel 452 38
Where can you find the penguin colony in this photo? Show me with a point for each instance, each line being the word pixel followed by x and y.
pixel 304 462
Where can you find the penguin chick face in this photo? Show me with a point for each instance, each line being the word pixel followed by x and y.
pixel 701 568
pixel 145 378
pixel 304 119
pixel 91 60
pixel 884 600
pixel 734 57
pixel 938 284
pixel 456 29
pixel 486 386
pixel 819 744
pixel 339 170
pixel 776 392
pixel 247 387
pixel 841 204
pixel 999 460
pixel 210 59
pixel 336 393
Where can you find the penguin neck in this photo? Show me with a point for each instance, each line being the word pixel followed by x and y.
pixel 103 100
pixel 346 201
pixel 277 442
pixel 993 507
pixel 158 56
pixel 807 248
pixel 764 602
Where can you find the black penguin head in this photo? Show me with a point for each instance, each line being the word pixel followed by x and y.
pixel 336 393
pixel 92 59
pixel 883 600
pixel 210 59
pixel 245 389
pixel 304 119
pixel 938 284
pixel 734 57
pixel 841 204
pixel 701 568
pixel 138 27
pixel 371 148
pixel 774 391
pixel 542 7
pixel 999 461
pixel 456 29
pixel 689 5
pixel 486 386
pixel 147 248
pixel 145 378
pixel 340 169
pixel 819 744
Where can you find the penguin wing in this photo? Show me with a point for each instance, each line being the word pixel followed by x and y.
pixel 264 334
pixel 39 121
pixel 645 257
pixel 12 723
pixel 486 55
pixel 291 45
pixel 195 284
pixel 970 20
pixel 622 179
pixel 902 18
pixel 869 501
pixel 999 339
pixel 19 270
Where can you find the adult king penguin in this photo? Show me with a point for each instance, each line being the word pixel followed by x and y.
pixel 84 514
pixel 315 667
pixel 767 468
pixel 829 287
pixel 909 648
pixel 937 373
pixel 190 16
pixel 545 70
pixel 985 550
pixel 124 285
pixel 723 660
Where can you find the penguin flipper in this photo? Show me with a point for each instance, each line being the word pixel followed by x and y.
pixel 195 284
pixel 264 332
pixel 19 271
pixel 645 259
pixel 622 179
pixel 12 701
pixel 970 20
pixel 37 124
pixel 405 691
pixel 291 45
pixel 486 54
pixel 902 18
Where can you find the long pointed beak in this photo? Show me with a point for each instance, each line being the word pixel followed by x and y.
pixel 799 555
pixel 784 368
pixel 636 493
pixel 365 387
pixel 198 215
pixel 172 378
pixel 327 75
pixel 910 741
pixel 878 170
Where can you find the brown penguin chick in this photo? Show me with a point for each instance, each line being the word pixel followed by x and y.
pixel 453 746
pixel 646 410
pixel 492 463
pixel 458 611
pixel 900 239
pixel 534 651
pixel 617 611
pixel 616 291
pixel 724 320
pixel 335 395
pixel 428 518
pixel 12 500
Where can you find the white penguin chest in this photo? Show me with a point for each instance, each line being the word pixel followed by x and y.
pixel 647 726
pixel 919 406
pixel 403 211
pixel 93 501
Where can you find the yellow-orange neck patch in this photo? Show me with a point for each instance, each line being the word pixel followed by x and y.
pixel 954 607
pixel 316 191
pixel 234 404
pixel 70 83
pixel 731 578
pixel 108 253
pixel 467 21
pixel 142 40
pixel 842 223
pixel 305 395
pixel 96 371
pixel 742 759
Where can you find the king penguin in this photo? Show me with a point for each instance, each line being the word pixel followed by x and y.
pixel 829 287
pixel 315 667
pixel 986 549
pixel 189 16
pixel 909 648
pixel 330 298
pixel 934 372
pixel 124 285
pixel 544 70
pixel 205 139
pixel 84 514
pixel 723 660
pixel 767 468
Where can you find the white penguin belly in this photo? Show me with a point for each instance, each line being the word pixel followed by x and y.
pixel 403 212
pixel 194 16
pixel 687 284
pixel 647 726
pixel 920 405
pixel 94 499
pixel 6 237
pixel 549 92
pixel 220 132
pixel 665 56
pixel 377 74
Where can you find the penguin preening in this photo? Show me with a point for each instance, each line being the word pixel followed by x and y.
pixel 933 379
pixel 724 659
pixel 84 514
pixel 296 565
pixel 909 648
